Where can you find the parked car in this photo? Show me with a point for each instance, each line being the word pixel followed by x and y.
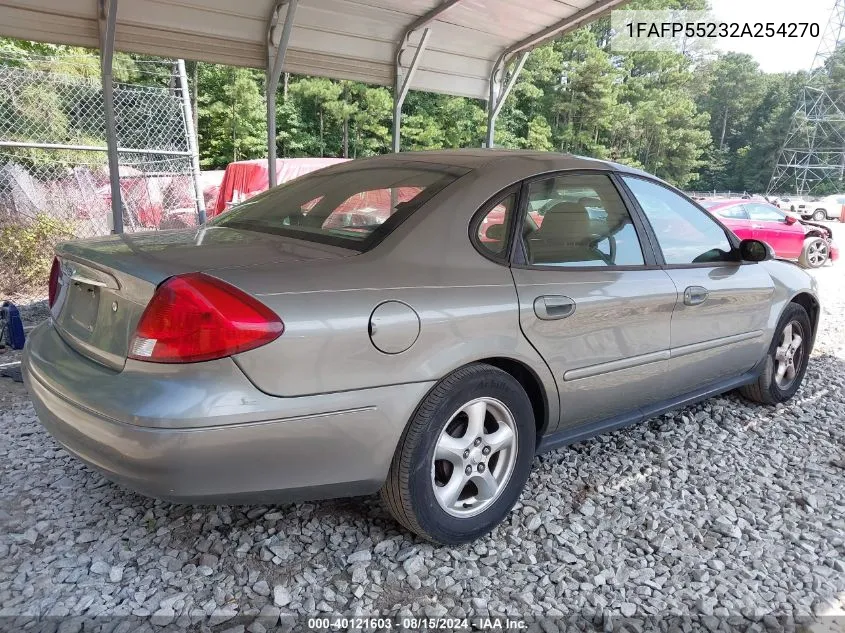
pixel 827 208
pixel 810 244
pixel 276 354
pixel 784 203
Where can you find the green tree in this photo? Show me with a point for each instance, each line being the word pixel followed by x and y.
pixel 735 86
pixel 231 115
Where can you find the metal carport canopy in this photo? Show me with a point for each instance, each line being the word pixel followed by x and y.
pixel 342 39
pixel 472 48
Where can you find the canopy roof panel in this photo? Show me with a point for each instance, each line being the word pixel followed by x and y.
pixel 342 39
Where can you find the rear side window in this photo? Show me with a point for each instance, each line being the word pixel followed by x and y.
pixel 493 228
pixel 576 220
pixel 352 208
pixel 764 213
pixel 736 212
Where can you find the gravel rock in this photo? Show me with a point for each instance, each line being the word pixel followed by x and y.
pixel 163 617
pixel 360 556
pixel 726 527
pixel 99 567
pixel 414 565
pixel 281 596
pixel 723 507
pixel 208 560
pixel 359 574
pixel 534 522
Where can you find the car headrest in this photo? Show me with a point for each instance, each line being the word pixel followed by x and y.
pixel 565 220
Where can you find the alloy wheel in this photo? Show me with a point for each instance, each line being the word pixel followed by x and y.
pixel 789 355
pixel 817 253
pixel 474 457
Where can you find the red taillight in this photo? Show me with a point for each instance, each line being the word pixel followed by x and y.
pixel 53 288
pixel 195 317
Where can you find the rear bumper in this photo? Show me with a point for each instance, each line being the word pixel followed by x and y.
pixel 258 448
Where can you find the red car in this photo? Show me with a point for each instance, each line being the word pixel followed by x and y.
pixel 809 243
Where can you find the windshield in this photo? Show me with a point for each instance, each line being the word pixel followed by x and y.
pixel 351 208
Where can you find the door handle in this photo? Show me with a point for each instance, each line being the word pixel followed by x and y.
pixel 551 307
pixel 695 295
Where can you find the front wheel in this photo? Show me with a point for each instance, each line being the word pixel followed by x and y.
pixel 815 253
pixel 786 362
pixel 464 458
pixel 819 215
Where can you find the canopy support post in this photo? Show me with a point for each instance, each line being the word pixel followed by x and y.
pixel 403 82
pixel 404 76
pixel 107 19
pixel 277 48
pixel 498 94
pixel 523 47
pixel 192 140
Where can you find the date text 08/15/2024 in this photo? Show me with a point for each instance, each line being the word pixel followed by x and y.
pixel 489 623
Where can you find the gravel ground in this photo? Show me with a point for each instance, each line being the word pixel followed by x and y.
pixel 721 509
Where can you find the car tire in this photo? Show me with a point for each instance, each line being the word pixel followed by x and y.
pixel 815 253
pixel 819 215
pixel 420 489
pixel 780 378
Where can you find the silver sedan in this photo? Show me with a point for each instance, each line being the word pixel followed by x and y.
pixel 421 324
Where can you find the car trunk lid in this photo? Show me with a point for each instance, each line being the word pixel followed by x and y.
pixel 105 283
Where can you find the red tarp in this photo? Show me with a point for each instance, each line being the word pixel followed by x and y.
pixel 245 178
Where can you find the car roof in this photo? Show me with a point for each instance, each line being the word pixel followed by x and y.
pixel 719 204
pixel 481 158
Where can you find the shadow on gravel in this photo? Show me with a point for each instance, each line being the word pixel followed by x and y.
pixel 823 389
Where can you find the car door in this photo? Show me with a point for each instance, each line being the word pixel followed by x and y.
pixel 771 226
pixel 723 303
pixel 592 301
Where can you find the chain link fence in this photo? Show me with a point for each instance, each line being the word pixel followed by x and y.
pixel 53 161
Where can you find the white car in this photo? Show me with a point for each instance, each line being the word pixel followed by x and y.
pixel 828 208
pixel 784 204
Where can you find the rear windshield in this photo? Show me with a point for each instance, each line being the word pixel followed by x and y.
pixel 351 208
pixel 709 204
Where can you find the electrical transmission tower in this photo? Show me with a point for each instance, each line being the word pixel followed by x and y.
pixel 814 151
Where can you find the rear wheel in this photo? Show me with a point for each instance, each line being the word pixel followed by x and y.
pixel 819 215
pixel 786 362
pixel 815 253
pixel 464 458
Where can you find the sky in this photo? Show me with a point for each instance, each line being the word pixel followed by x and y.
pixel 776 54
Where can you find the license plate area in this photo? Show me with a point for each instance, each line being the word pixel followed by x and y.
pixel 82 306
pixel 77 307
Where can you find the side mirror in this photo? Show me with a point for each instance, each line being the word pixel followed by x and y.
pixel 790 220
pixel 495 232
pixel 755 251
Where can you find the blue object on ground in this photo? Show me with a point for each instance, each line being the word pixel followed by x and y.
pixel 11 325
